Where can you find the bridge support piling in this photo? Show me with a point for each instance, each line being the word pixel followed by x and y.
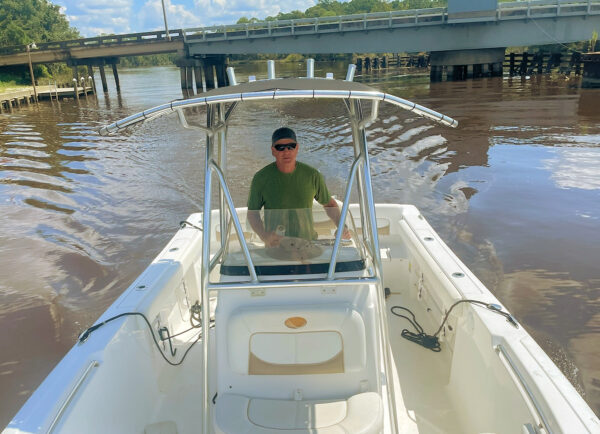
pixel 214 67
pixel 221 74
pixel 435 74
pixel 189 72
pixel 116 75
pixel 465 64
pixel 591 70
pixel 469 71
pixel 209 76
pixel 198 78
pixel 103 78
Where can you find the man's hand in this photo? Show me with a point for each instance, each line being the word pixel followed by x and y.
pixel 346 234
pixel 271 239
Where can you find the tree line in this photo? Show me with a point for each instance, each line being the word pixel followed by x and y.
pixel 24 22
pixel 329 8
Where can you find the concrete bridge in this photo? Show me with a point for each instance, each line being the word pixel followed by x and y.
pixel 466 33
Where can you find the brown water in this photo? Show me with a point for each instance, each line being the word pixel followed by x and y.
pixel 514 191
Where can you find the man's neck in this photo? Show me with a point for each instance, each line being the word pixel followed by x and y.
pixel 286 168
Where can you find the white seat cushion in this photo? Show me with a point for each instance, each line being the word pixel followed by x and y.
pixel 329 331
pixel 238 414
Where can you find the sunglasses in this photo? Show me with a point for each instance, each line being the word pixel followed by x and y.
pixel 283 147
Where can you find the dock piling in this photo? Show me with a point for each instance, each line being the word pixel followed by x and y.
pixel 90 70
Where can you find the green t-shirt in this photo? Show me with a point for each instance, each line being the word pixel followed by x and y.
pixel 293 192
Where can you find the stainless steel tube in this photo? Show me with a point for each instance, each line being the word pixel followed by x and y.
pixel 293 284
pixel 231 76
pixel 351 71
pixel 271 69
pixel 344 212
pixel 310 68
pixel 204 279
pixel 236 221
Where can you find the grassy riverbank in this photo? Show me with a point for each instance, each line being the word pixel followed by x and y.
pixel 9 82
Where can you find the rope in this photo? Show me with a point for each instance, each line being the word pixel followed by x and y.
pixel 432 341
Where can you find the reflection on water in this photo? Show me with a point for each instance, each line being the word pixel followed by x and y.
pixel 514 191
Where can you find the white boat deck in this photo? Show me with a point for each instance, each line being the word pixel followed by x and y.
pixel 421 401
pixel 422 405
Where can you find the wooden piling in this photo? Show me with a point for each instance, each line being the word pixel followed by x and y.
pixel 90 70
pixel 512 64
pixel 524 62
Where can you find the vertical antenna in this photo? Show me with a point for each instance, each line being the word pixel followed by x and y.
pixel 310 68
pixel 271 69
pixel 351 71
pixel 231 76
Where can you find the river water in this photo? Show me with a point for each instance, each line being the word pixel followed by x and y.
pixel 514 191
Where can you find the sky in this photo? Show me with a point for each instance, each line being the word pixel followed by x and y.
pixel 93 17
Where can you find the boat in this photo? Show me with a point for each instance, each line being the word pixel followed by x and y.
pixel 386 331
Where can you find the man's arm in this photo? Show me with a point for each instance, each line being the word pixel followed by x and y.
pixel 333 212
pixel 271 239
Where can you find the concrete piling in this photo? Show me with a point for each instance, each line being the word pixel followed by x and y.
pixel 591 70
pixel 116 75
pixel 103 78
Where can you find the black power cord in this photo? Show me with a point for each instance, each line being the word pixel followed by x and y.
pixel 195 315
pixel 432 341
pixel 184 223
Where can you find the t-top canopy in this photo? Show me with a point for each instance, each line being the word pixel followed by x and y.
pixel 285 88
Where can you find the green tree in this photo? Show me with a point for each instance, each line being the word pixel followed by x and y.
pixel 25 21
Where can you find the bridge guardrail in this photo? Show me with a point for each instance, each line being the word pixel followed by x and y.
pixel 345 23
pixel 160 35
pixel 394 19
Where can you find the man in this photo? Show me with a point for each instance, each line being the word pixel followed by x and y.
pixel 286 189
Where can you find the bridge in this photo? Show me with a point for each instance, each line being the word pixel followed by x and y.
pixel 461 35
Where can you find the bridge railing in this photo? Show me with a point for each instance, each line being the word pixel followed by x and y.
pixel 546 8
pixel 160 35
pixel 394 19
pixel 345 23
pixel 371 21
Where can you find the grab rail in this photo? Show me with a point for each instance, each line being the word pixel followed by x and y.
pixel 531 401
pixel 67 401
